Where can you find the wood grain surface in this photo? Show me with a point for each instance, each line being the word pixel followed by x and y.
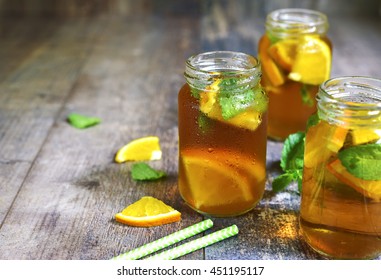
pixel 59 186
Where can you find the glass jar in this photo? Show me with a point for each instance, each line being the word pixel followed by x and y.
pixel 222 133
pixel 340 214
pixel 295 55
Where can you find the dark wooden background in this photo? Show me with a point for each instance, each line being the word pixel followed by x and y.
pixel 123 61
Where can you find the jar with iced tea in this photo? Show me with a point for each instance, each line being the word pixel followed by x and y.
pixel 340 215
pixel 222 133
pixel 295 55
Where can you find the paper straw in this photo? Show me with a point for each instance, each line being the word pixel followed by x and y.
pixel 196 244
pixel 165 241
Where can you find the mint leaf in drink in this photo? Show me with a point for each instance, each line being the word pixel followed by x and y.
pixel 260 101
pixel 363 161
pixel 81 121
pixel 143 172
pixel 233 99
pixel 306 97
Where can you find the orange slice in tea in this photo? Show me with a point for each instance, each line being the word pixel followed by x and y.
pixel 283 52
pixel 312 63
pixel 323 140
pixel 208 98
pixel 273 73
pixel 363 136
pixel 218 177
pixel 145 148
pixel 148 212
pixel 368 188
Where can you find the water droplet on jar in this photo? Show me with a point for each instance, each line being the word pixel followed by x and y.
pixel 210 150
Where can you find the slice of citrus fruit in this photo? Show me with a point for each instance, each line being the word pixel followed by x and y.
pixel 208 98
pixel 147 212
pixel 145 148
pixel 220 181
pixel 283 52
pixel 368 188
pixel 312 63
pixel 364 135
pixel 323 140
pixel 273 73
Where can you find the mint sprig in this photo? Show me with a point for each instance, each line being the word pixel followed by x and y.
pixel 363 161
pixel 291 162
pixel 235 98
pixel 81 121
pixel 143 172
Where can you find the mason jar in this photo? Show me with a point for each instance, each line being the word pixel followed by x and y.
pixel 340 214
pixel 295 55
pixel 222 119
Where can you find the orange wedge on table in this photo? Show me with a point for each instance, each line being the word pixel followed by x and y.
pixel 147 212
pixel 145 148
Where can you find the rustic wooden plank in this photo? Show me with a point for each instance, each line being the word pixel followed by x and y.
pixel 134 67
pixel 64 189
pixel 32 94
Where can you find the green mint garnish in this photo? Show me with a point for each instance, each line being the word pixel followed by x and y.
pixel 81 121
pixel 306 97
pixel 203 122
pixel 142 172
pixel 313 120
pixel 234 99
pixel 291 162
pixel 363 161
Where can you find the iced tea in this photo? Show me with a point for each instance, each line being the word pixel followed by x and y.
pixel 295 54
pixel 222 134
pixel 340 214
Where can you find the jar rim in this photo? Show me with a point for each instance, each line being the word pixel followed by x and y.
pixel 296 20
pixel 352 92
pixel 228 62
pixel 351 101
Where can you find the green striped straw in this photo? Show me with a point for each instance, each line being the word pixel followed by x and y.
pixel 196 244
pixel 165 241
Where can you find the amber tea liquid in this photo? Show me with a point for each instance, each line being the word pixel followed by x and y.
pixel 221 166
pixel 340 215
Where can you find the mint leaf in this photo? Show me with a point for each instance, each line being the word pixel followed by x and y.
pixel 293 152
pixel 232 100
pixel 363 161
pixel 312 120
pixel 81 121
pixel 142 171
pixel 260 101
pixel 282 181
pixel 306 98
pixel 291 162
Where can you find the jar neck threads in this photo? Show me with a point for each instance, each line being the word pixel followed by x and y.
pixel 203 69
pixel 351 101
pixel 294 22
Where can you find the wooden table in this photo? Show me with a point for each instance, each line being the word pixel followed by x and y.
pixel 59 186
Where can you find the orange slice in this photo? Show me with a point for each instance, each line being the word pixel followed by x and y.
pixel 145 148
pixel 368 188
pixel 322 141
pixel 283 52
pixel 217 178
pixel 148 212
pixel 364 135
pixel 208 98
pixel 270 69
pixel 312 63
